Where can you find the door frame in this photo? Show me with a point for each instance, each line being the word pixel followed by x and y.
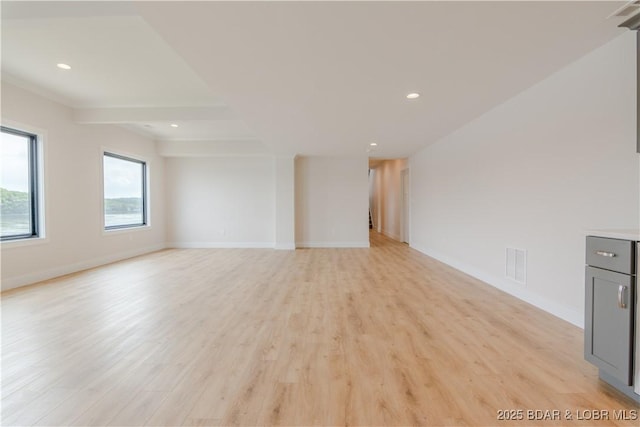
pixel 405 205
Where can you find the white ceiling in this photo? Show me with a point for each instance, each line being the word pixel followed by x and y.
pixel 119 63
pixel 116 61
pixel 324 78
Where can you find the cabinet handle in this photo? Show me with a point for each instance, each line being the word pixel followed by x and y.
pixel 621 290
pixel 605 254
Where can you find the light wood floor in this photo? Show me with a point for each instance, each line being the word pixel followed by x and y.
pixel 380 336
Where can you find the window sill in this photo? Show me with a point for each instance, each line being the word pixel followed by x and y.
pixel 116 231
pixel 19 243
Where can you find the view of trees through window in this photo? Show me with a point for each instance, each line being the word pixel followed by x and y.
pixel 124 192
pixel 124 188
pixel 17 176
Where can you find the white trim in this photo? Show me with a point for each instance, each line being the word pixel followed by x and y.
pixel 31 278
pixel 569 314
pixel 220 245
pixel 406 230
pixel 332 244
pixel 19 243
pixel 121 230
pixel 285 246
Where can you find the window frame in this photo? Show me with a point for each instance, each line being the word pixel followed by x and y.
pixel 34 186
pixel 145 193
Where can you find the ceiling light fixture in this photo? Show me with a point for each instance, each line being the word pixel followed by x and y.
pixel 173 125
pixel 413 95
pixel 373 144
pixel 64 66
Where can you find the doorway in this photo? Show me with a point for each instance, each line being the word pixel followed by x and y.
pixel 389 194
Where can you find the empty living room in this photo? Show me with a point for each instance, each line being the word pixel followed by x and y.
pixel 320 213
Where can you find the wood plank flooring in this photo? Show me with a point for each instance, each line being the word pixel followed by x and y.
pixel 379 336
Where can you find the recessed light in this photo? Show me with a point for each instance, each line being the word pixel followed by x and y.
pixel 373 144
pixel 173 125
pixel 413 95
pixel 64 66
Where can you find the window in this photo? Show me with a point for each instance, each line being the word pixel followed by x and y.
pixel 18 185
pixel 125 194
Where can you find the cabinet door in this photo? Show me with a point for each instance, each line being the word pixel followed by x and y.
pixel 609 308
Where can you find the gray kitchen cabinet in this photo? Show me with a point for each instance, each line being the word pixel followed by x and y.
pixel 609 321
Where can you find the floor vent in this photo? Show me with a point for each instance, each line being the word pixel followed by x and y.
pixel 517 265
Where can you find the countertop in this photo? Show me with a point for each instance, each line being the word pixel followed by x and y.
pixel 616 234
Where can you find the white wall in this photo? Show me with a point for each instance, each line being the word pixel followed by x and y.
pixel 332 198
pixel 285 199
pixel 75 238
pixel 535 173
pixel 387 197
pixel 220 201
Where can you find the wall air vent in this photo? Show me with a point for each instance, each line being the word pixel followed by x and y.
pixel 516 265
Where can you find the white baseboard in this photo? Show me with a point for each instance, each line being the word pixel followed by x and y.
pixel 221 245
pixel 559 310
pixel 38 276
pixel 332 244
pixel 285 246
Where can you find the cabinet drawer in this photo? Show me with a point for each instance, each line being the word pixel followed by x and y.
pixel 611 254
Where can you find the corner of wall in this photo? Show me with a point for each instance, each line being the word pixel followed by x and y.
pixel 559 310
